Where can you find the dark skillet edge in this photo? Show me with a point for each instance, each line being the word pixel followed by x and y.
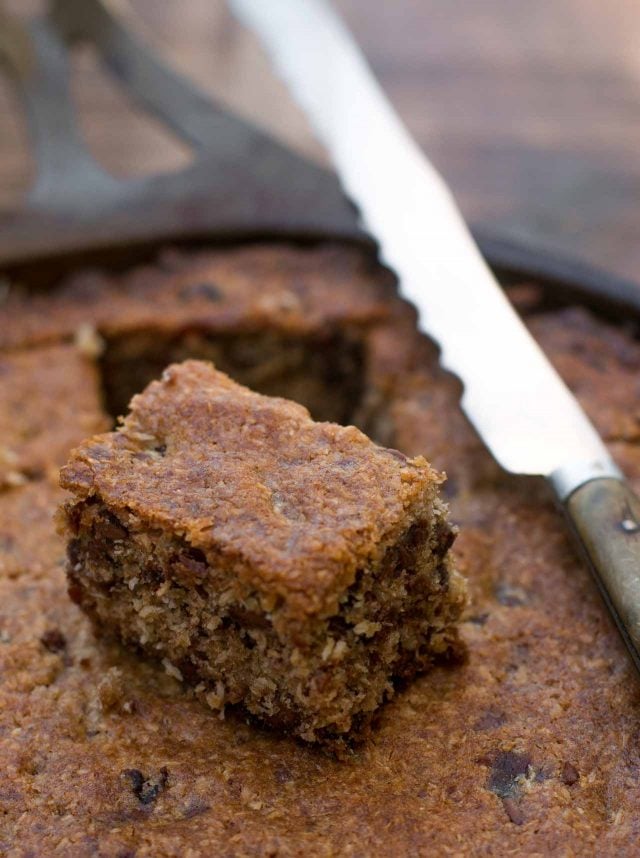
pixel 564 279
pixel 285 197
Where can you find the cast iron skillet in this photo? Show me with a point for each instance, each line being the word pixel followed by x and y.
pixel 242 185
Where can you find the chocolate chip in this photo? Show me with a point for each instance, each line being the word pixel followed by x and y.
pixel 74 553
pixel 506 768
pixel 75 592
pixel 53 640
pixel 149 793
pixel 570 775
pixel 189 670
pixel 248 619
pixel 111 528
pixel 136 777
pixel 152 576
pixel 146 790
pixel 190 567
pixel 513 811
pixel 444 537
pixel 208 291
pixel 194 557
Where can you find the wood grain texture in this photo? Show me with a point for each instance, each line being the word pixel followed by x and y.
pixel 605 515
pixel 531 110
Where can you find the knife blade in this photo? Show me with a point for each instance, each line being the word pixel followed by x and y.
pixel 524 412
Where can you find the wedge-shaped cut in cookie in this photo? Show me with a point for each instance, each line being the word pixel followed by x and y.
pixel 284 320
pixel 289 566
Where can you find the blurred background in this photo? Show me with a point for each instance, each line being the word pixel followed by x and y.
pixel 530 109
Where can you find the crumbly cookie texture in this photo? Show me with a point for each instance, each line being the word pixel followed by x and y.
pixel 49 401
pixel 531 747
pixel 289 566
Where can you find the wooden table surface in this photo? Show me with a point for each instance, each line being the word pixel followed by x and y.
pixel 530 109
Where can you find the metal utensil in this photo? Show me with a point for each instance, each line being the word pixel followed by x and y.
pixel 241 184
pixel 524 412
pixel 75 207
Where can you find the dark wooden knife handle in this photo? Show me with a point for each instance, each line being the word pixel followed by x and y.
pixel 605 516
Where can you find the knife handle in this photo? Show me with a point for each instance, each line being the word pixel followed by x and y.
pixel 605 516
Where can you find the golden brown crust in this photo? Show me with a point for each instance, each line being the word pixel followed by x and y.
pixel 296 506
pixel 29 545
pixel 49 402
pixel 280 288
pixel 575 337
pixel 289 566
pixel 530 748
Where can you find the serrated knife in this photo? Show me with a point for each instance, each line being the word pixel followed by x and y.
pixel 528 418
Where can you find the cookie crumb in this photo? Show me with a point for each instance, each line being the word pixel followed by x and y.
pixel 53 640
pixel 88 341
pixel 146 789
